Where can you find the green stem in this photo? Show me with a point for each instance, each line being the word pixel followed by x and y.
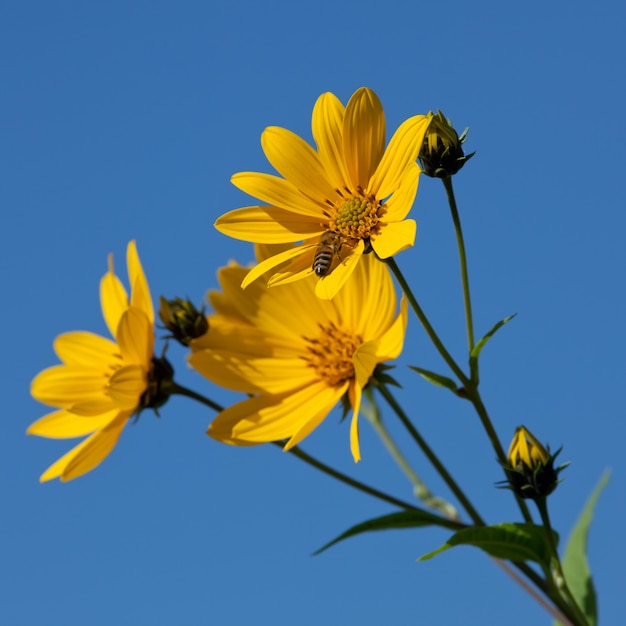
pixel 183 391
pixel 393 266
pixel 421 491
pixel 307 458
pixel 447 183
pixel 560 584
pixel 326 469
pixel 431 456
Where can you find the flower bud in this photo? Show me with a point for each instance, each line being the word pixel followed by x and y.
pixel 183 320
pixel 530 467
pixel 442 153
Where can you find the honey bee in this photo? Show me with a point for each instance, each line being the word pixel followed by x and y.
pixel 327 249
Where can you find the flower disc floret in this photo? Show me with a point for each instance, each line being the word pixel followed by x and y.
pixel 357 218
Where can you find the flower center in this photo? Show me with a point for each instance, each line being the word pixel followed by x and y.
pixel 357 217
pixel 331 354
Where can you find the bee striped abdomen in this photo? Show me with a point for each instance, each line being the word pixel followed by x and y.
pixel 327 249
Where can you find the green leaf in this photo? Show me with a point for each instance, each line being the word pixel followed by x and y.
pixel 515 542
pixel 481 344
pixel 574 562
pixel 403 519
pixel 436 379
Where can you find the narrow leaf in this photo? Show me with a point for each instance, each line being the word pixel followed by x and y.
pixel 436 379
pixel 575 565
pixel 481 344
pixel 403 519
pixel 515 542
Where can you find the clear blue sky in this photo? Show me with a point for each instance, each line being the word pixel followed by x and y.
pixel 125 120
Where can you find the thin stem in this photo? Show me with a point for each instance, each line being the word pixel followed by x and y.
pixel 431 456
pixel 421 491
pixel 307 458
pixel 559 579
pixel 183 391
pixel 424 321
pixel 447 183
pixel 532 593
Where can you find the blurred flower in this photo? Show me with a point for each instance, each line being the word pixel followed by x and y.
pixel 182 319
pixel 296 355
pixel 442 152
pixel 530 469
pixel 350 196
pixel 102 383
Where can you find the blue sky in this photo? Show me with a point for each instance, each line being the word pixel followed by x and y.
pixel 126 120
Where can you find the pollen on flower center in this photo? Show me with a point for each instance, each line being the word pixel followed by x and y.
pixel 357 217
pixel 330 354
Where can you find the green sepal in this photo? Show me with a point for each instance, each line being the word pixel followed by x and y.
pixel 574 562
pixel 514 542
pixel 476 350
pixel 436 379
pixel 403 519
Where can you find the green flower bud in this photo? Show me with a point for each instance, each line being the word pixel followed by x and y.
pixel 183 320
pixel 442 152
pixel 530 466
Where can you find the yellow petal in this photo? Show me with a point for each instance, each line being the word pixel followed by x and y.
pixel 365 360
pixel 394 238
pixel 296 161
pixel 140 292
pixel 401 152
pixel 328 286
pixel 355 401
pixel 113 298
pixel 88 454
pixel 277 192
pixel 268 224
pixel 401 202
pixel 271 418
pixel 135 337
pixel 127 385
pixel 66 385
pixel 363 136
pixel 272 262
pixel 327 126
pixel 65 425
pixel 390 345
pixel 86 349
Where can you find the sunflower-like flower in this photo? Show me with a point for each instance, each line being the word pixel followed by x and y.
pixel 296 355
pixel 102 383
pixel 348 197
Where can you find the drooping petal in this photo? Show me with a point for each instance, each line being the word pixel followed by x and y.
pixel 135 337
pixel 355 394
pixel 268 224
pixel 401 202
pixel 296 161
pixel 327 127
pixel 363 136
pixel 277 192
pixel 272 262
pixel 365 361
pixel 127 385
pixel 394 238
pixel 65 425
pixel 401 152
pixel 140 292
pixel 85 349
pixel 113 298
pixel 88 454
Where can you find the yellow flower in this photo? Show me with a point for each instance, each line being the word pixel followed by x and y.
pixel 296 355
pixel 526 451
pixel 351 189
pixel 101 383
